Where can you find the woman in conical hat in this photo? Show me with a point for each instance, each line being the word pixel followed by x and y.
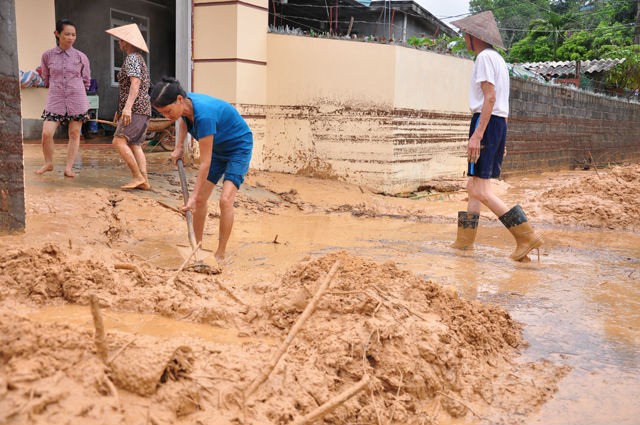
pixel 134 107
pixel 489 104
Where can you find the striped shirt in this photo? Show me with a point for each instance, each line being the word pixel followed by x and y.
pixel 67 74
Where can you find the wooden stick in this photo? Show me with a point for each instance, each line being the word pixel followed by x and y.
pixel 395 302
pixel 117 353
pixel 172 208
pixel 292 333
pixel 101 346
pixel 595 166
pixel 460 402
pixel 184 263
pixel 334 402
pixel 230 293
pixel 111 123
pixel 132 267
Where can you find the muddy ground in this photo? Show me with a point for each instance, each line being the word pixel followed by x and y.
pixel 420 333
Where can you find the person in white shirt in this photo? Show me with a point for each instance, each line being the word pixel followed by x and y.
pixel 489 104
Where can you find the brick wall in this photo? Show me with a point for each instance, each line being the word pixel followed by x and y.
pixel 554 128
pixel 12 209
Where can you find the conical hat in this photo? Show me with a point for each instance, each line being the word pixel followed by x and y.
pixel 131 34
pixel 482 26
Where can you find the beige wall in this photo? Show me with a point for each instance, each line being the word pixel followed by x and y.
pixel 305 69
pixel 384 116
pixel 230 50
pixel 35 24
pixel 431 81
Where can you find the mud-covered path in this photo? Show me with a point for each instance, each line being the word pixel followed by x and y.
pixel 580 305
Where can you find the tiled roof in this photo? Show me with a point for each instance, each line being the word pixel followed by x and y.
pixel 566 68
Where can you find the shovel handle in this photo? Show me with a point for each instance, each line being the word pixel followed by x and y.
pixel 185 196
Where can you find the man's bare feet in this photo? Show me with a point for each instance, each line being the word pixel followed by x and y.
pixel 133 184
pixel 69 173
pixel 45 168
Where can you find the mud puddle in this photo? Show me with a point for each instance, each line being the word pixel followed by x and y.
pixel 141 324
pixel 580 304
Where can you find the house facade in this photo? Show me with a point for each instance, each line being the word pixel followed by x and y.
pixel 379 115
pixel 316 106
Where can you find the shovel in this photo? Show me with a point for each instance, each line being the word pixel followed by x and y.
pixel 189 214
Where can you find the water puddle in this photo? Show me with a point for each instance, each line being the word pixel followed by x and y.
pixel 141 324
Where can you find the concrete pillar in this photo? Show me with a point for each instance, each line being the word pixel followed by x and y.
pixel 12 209
pixel 230 50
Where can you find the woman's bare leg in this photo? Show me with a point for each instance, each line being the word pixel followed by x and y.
pixel 227 198
pixel 73 147
pixel 127 155
pixel 48 129
pixel 138 153
pixel 200 213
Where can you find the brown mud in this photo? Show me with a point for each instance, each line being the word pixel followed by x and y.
pixel 443 337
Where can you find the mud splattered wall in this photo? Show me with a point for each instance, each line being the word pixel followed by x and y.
pixel 12 207
pixel 558 128
pixel 391 117
pixel 387 117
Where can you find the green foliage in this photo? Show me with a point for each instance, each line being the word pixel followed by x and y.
pixel 420 41
pixel 443 43
pixel 577 46
pixel 625 76
pixel 608 37
pixel 534 48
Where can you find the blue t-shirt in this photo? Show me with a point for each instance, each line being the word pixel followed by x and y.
pixel 217 118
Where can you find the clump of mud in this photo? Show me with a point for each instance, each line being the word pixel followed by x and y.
pixel 609 199
pixel 45 273
pixel 430 355
pixel 52 274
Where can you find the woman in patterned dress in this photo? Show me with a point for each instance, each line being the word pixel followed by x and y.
pixel 134 107
pixel 67 74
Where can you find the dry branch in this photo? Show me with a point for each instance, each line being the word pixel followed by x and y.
pixel 132 267
pixel 117 353
pixel 292 333
pixel 230 293
pixel 595 166
pixel 184 263
pixel 170 207
pixel 334 402
pixel 462 404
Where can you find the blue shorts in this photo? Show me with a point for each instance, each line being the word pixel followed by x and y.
pixel 491 147
pixel 232 163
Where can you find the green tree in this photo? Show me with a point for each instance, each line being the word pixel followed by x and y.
pixel 607 38
pixel 626 76
pixel 577 46
pixel 543 40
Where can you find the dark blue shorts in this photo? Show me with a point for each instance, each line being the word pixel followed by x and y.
pixel 491 147
pixel 233 164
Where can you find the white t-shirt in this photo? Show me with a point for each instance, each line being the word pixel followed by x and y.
pixel 489 66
